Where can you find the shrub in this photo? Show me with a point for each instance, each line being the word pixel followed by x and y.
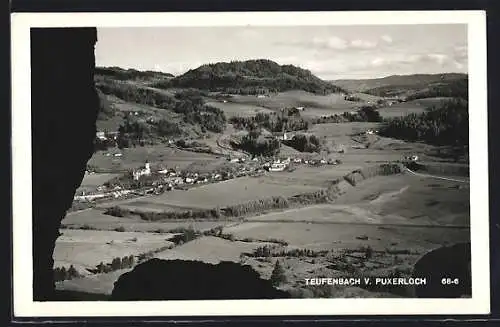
pixel 278 274
pixel 117 212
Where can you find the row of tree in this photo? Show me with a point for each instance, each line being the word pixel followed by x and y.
pixel 116 264
pixel 61 273
pixel 272 122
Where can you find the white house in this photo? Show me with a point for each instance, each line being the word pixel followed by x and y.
pixel 101 136
pixel 277 167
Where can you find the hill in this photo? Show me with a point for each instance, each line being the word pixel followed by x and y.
pixel 259 76
pixel 132 75
pixel 141 113
pixel 394 82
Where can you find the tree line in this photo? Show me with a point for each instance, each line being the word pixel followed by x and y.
pixel 304 143
pixel 447 125
pixel 290 121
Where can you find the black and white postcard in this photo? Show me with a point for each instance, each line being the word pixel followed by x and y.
pixel 250 163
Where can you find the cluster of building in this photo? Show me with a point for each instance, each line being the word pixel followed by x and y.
pixel 164 179
pixel 105 136
pixel 101 193
pixel 282 164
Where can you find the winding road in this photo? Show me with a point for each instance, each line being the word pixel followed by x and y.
pixel 437 177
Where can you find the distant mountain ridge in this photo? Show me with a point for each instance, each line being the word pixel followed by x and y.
pixel 257 76
pixel 401 81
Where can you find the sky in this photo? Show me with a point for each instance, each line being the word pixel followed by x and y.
pixel 330 52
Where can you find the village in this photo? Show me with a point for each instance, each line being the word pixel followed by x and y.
pixel 147 180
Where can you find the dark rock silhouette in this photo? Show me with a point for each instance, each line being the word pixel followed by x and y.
pixel 64 111
pixel 193 280
pixel 445 262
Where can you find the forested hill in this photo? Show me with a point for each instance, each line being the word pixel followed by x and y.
pixel 251 77
pixel 415 81
pixel 130 74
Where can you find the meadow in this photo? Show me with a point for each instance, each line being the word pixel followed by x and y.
pixel 156 154
pixel 85 249
pixel 238 109
pixel 226 193
pixel 95 219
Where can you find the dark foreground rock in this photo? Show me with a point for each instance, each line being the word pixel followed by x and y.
pixel 64 111
pixel 193 280
pixel 451 262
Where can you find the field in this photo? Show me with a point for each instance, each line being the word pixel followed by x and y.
pixel 86 249
pixel 210 249
pixel 430 102
pixel 401 200
pixel 401 109
pixel 238 109
pixel 91 181
pixel 220 194
pixel 95 219
pixel 157 154
pixel 295 98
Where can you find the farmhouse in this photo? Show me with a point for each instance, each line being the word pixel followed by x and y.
pixel 101 136
pixel 277 167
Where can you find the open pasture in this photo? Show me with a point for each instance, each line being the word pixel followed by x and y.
pixel 209 249
pixel 430 102
pixel 312 176
pixel 342 129
pixel 226 193
pixel 400 199
pixel 344 236
pixel 87 248
pixel 400 110
pixel 95 219
pixel 94 180
pixel 296 98
pixel 238 109
pixel 403 209
pixel 155 154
